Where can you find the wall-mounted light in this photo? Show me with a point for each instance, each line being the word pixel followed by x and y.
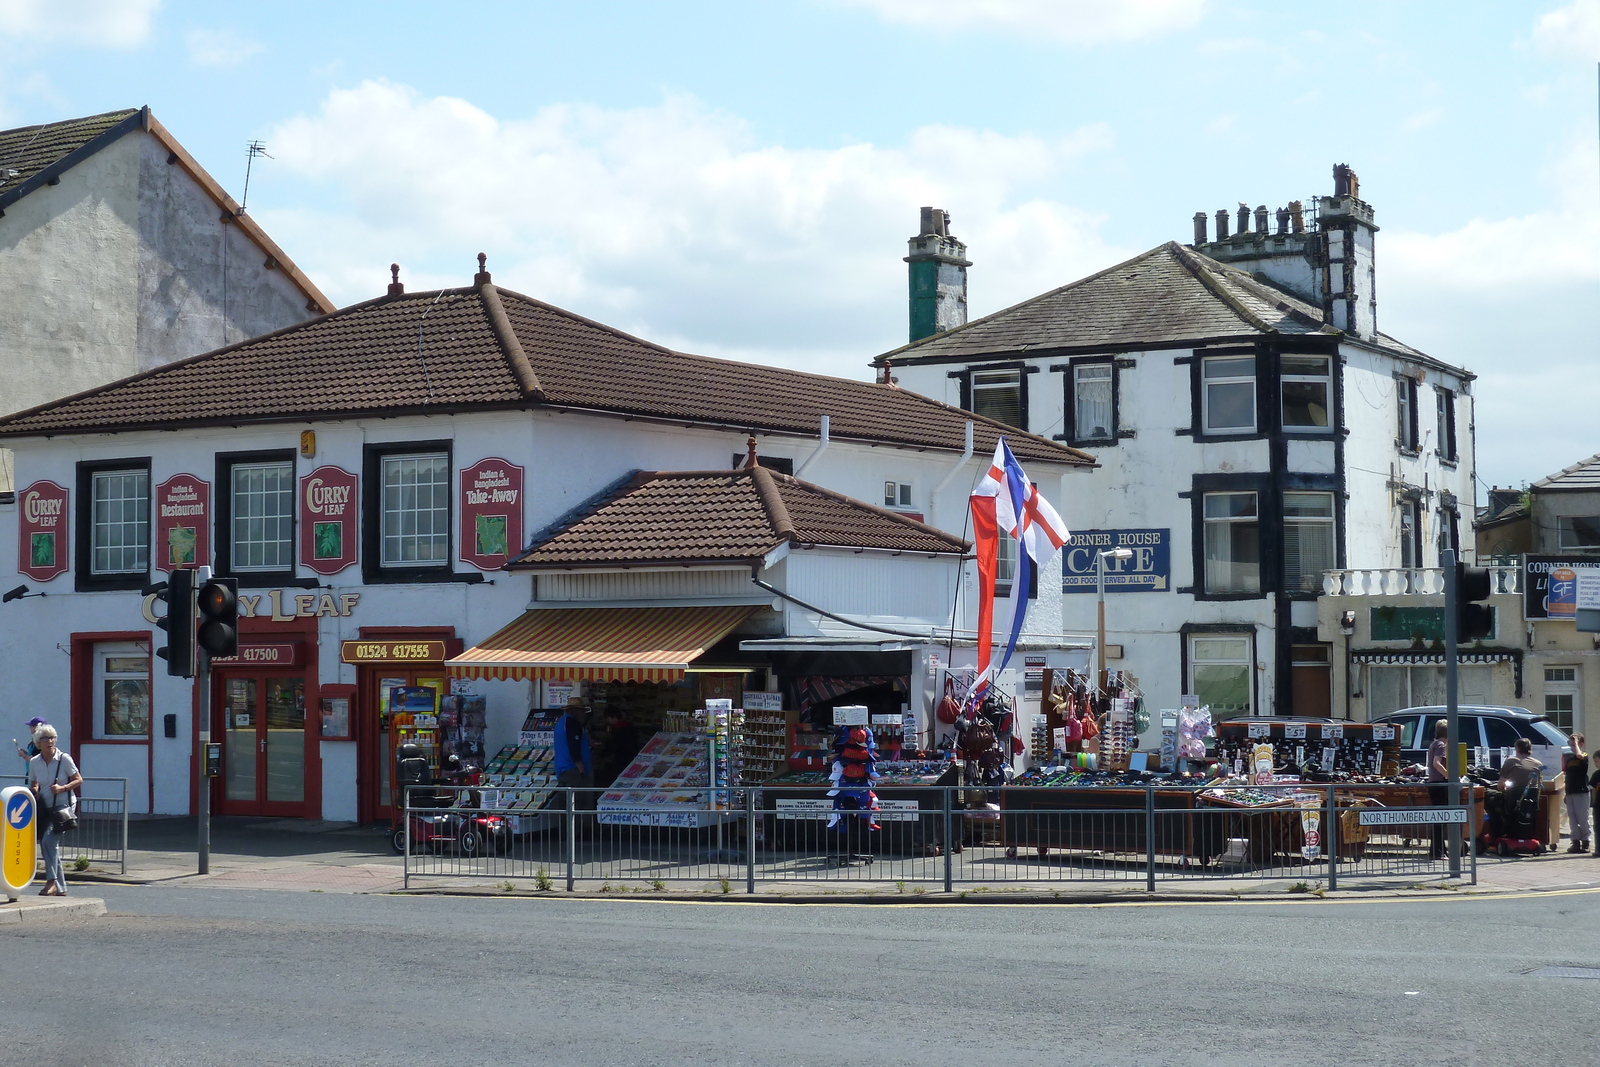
pixel 19 593
pixel 1347 623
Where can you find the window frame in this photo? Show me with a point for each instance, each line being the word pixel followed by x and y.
pixel 101 651
pixel 1331 521
pixel 1406 414
pixel 1022 369
pixel 1564 526
pixel 84 576
pixel 1206 523
pixel 1074 434
pixel 1326 378
pixel 1445 424
pixel 372 570
pixel 222 537
pixel 1254 378
pixel 903 498
pixel 1190 633
pixel 1411 544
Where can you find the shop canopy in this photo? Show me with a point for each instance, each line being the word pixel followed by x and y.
pixel 600 644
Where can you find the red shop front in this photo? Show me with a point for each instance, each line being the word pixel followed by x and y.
pixel 271 759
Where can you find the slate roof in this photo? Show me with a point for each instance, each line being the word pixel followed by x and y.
pixel 681 517
pixel 1583 476
pixel 1170 296
pixel 30 149
pixel 484 346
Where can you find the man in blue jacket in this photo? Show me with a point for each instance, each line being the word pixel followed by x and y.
pixel 573 766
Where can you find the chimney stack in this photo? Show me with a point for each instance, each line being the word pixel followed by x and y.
pixel 396 287
pixel 1350 299
pixel 937 273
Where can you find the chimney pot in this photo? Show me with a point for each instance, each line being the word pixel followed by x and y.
pixel 1345 182
pixel 1297 216
pixel 395 288
pixel 1244 218
pixel 1283 220
pixel 1200 227
pixel 750 456
pixel 1261 219
pixel 1222 224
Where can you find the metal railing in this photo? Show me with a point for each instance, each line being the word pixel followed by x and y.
pixel 946 837
pixel 101 838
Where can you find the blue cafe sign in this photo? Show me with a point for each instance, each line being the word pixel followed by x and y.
pixel 1149 570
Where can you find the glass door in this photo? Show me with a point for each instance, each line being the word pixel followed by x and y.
pixel 263 728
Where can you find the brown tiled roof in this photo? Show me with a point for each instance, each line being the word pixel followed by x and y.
pixel 484 346
pixel 679 517
pixel 30 149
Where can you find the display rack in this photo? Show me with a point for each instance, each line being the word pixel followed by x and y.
pixel 765 750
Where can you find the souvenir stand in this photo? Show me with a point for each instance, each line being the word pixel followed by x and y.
pixel 519 780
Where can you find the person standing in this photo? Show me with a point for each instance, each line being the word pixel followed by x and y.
pixel 1439 780
pixel 573 763
pixel 54 776
pixel 1594 801
pixel 32 750
pixel 1575 766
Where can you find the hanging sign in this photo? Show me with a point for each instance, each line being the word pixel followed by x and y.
pixel 328 502
pixel 183 523
pixel 42 531
pixel 491 513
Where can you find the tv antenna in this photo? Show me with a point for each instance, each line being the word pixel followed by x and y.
pixel 255 148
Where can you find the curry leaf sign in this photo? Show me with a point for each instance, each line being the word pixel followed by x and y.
pixel 1148 570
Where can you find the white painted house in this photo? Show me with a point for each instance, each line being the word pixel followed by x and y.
pixel 1255 431
pixel 368 476
pixel 119 253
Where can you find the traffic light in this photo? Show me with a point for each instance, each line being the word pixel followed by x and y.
pixel 1474 617
pixel 218 601
pixel 177 592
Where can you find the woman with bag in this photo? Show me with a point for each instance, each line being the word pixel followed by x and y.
pixel 53 776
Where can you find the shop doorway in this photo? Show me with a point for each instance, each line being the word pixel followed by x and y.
pixel 1311 679
pixel 414 720
pixel 261 720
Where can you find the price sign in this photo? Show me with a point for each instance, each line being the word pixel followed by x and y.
pixel 1383 733
pixel 1260 729
pixel 1294 730
pixel 1333 733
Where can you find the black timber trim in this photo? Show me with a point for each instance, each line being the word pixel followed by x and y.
pixel 1268 515
pixel 372 570
pixel 84 578
pixel 1023 369
pixel 50 174
pixel 1243 629
pixel 1069 401
pixel 222 531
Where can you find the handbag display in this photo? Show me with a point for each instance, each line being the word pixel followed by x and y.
pixel 949 708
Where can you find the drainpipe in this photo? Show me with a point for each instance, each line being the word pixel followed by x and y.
pixel 822 446
pixel 966 454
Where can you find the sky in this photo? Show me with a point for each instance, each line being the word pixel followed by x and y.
pixel 740 179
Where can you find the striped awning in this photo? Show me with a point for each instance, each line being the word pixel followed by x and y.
pixel 599 644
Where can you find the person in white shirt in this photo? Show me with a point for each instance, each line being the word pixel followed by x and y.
pixel 53 776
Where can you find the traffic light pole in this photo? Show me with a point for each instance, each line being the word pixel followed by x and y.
pixel 1452 595
pixel 202 679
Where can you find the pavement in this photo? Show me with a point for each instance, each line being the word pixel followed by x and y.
pixel 343 858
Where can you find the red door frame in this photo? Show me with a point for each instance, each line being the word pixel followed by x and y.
pixel 265 631
pixel 80 698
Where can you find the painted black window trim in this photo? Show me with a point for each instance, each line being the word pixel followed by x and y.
pixel 1069 401
pixel 1243 629
pixel 1445 403
pixel 372 570
pixel 222 532
pixel 1407 432
pixel 1196 428
pixel 1294 482
pixel 964 376
pixel 85 581
pixel 1269 516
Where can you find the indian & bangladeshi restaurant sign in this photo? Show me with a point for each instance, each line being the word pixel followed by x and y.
pixel 183 523
pixel 491 513
pixel 1148 570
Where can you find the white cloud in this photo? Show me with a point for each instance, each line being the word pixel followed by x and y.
pixel 107 23
pixel 1422 120
pixel 1070 21
pixel 219 48
pixel 672 221
pixel 1571 32
pixel 1513 300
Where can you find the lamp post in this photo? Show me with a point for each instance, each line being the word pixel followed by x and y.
pixel 1100 606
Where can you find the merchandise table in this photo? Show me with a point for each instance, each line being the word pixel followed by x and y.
pixel 1105 819
pixel 798 807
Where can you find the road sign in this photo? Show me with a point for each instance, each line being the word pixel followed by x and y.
pixel 17 847
pixel 1411 816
